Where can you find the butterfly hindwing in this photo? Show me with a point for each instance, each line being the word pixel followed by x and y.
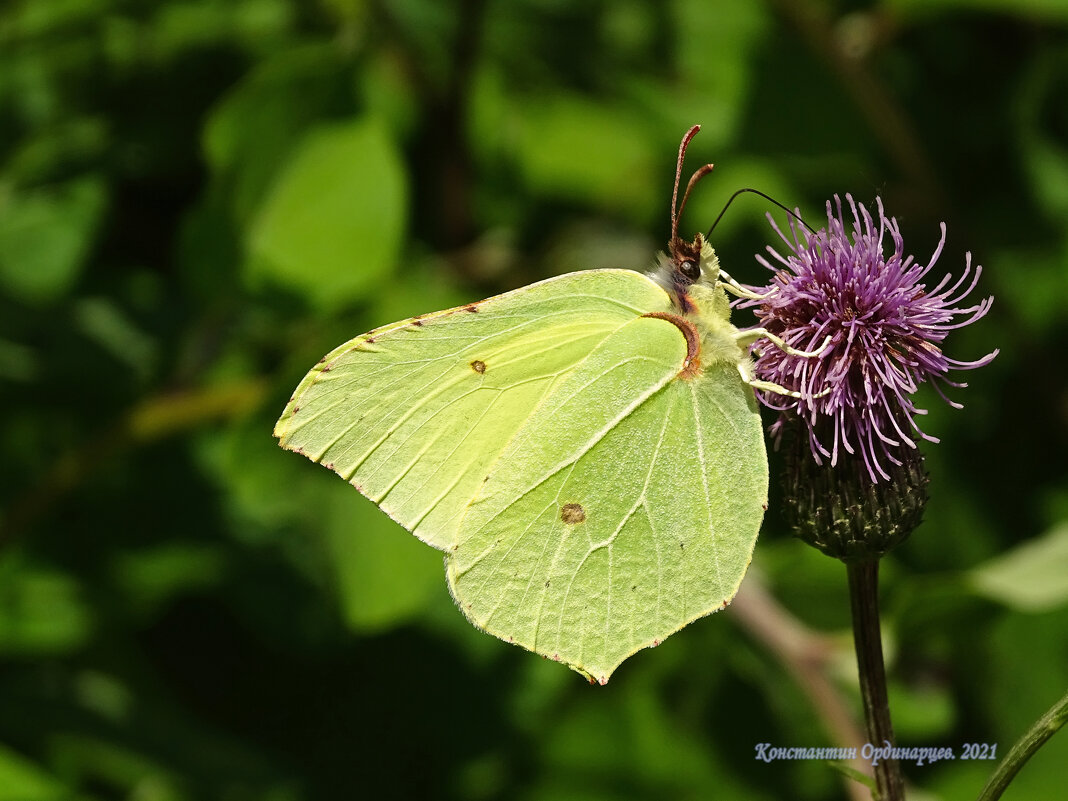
pixel 614 518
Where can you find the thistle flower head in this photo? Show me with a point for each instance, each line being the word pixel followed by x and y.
pixel 885 326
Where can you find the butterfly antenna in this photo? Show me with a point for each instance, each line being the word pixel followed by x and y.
pixel 675 211
pixel 697 176
pixel 766 197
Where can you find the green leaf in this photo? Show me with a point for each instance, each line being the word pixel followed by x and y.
pixel 717 91
pixel 253 129
pixel 17 362
pixel 1042 153
pixel 39 158
pixel 1039 302
pixel 103 321
pixel 22 780
pixel 637 739
pixel 184 26
pixel 41 610
pixel 1052 10
pixel 151 577
pixel 1032 577
pixel 384 578
pixel 45 237
pixel 565 146
pixel 332 225
pixel 923 712
pixel 1024 670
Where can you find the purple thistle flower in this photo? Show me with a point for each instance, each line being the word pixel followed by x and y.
pixel 885 328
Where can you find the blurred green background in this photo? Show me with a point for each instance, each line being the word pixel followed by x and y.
pixel 198 198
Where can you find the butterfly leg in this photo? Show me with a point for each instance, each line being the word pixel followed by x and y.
pixel 746 369
pixel 737 289
pixel 751 335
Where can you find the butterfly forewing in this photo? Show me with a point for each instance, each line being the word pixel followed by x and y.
pixel 414 415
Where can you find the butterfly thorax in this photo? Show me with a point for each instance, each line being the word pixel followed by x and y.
pixel 690 276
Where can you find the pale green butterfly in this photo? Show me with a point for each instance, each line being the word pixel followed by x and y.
pixel 586 450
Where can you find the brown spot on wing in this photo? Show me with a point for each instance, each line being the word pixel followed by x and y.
pixel 471 308
pixel 572 513
pixel 478 366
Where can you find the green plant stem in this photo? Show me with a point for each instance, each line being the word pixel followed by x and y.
pixel 864 601
pixel 1033 739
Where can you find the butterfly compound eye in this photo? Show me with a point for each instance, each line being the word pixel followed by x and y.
pixel 690 269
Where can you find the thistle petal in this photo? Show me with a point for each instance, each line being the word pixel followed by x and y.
pixel 886 331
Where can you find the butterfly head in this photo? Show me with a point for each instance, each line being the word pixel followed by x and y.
pixel 688 270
